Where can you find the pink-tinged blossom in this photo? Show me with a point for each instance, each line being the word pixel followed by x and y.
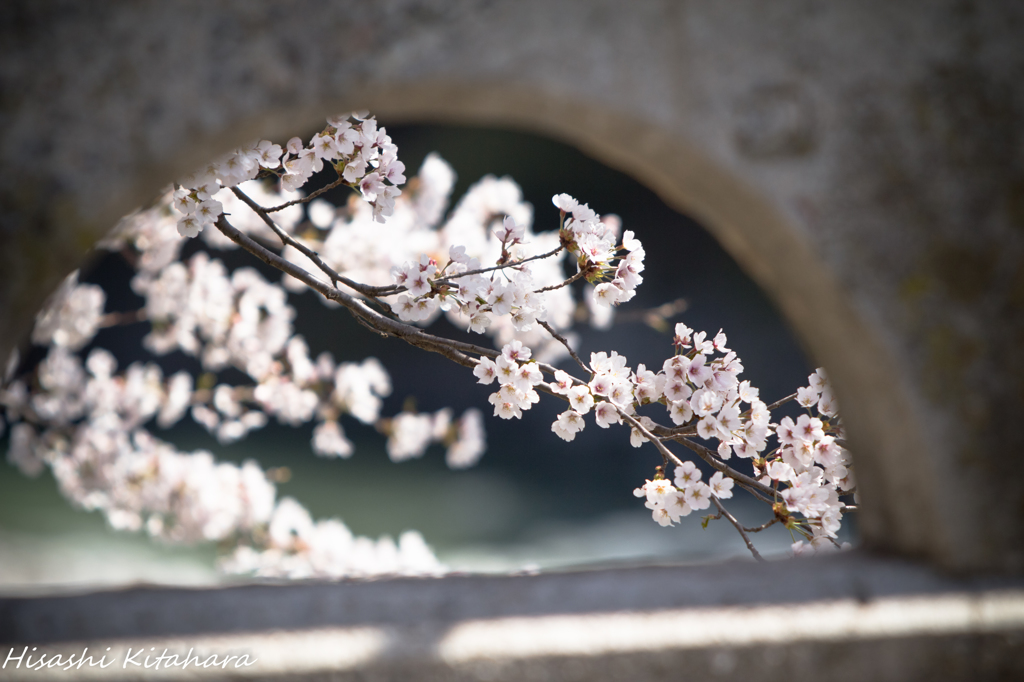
pixel 649 386
pixel 485 371
pixel 819 380
pixel 682 338
pixel 705 402
pixel 568 424
pixel 621 392
pixel 698 496
pixel 806 396
pixel 605 415
pixel 719 342
pixel 562 383
pixel 581 399
pixel 527 376
pixel 707 427
pixel 808 428
pixel 601 384
pixel 729 419
pixel 786 431
pixel 827 404
pixel 701 345
pixel 721 486
pixel 675 369
pixel 504 409
pixel 687 474
pixel 607 294
pixel 564 203
pixel 677 390
pixel 371 185
pixel 680 412
pixel 697 372
pixel 613 365
pixel 507 369
pixel 515 351
pixel 329 441
pixel 748 393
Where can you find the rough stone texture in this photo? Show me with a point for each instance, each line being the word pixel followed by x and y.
pixel 864 162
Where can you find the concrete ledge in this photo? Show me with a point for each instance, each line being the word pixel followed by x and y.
pixel 843 617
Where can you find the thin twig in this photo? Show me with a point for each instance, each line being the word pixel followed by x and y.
pixel 511 264
pixel 566 283
pixel 309 253
pixel 312 195
pixel 753 486
pixel 763 526
pixel 666 454
pixel 739 528
pixel 127 317
pixel 561 339
pixel 454 350
pixel 780 402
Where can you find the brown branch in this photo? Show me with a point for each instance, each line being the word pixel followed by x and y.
pixel 763 526
pixel 753 486
pixel 778 403
pixel 313 255
pixel 567 282
pixel 739 528
pixel 561 339
pixel 454 350
pixel 666 454
pixel 127 317
pixel 313 195
pixel 511 264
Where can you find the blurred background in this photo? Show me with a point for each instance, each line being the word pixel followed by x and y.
pixel 534 502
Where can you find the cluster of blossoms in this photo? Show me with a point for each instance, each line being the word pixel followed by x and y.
pixel 520 289
pixel 516 380
pixel 363 157
pixel 89 424
pixel 593 242
pixel 410 433
pixel 702 392
pixel 481 265
pixel 808 472
pixel 669 500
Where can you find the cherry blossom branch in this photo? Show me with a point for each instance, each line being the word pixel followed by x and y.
pixel 691 429
pixel 778 403
pixel 454 350
pixel 287 239
pixel 312 195
pixel 566 283
pixel 763 526
pixel 666 454
pixel 753 486
pixel 561 339
pixel 739 528
pixel 511 264
pixel 123 318
pixel 656 317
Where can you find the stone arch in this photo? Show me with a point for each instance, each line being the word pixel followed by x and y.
pixel 788 151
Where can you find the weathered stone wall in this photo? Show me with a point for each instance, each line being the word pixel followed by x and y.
pixel 864 162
